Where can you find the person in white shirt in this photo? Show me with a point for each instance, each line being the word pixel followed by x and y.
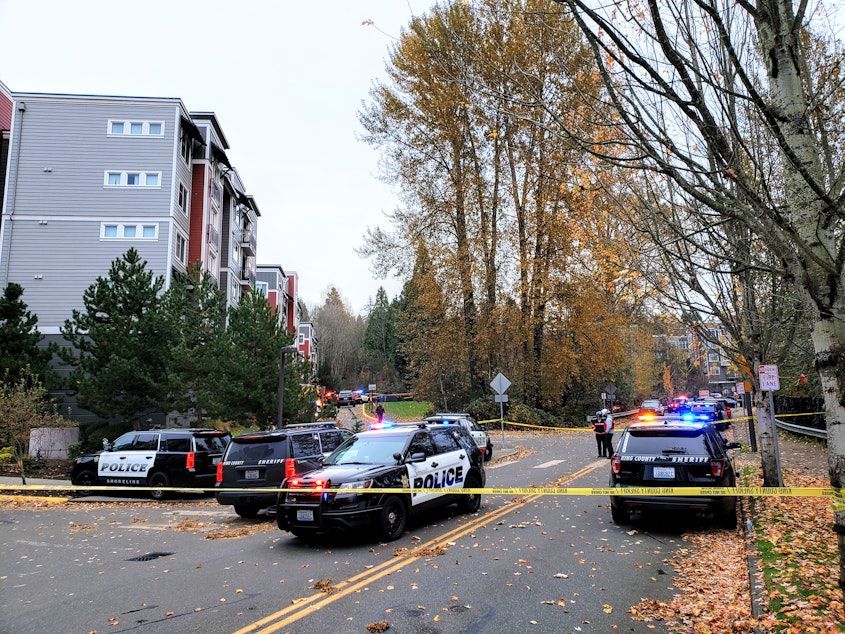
pixel 608 433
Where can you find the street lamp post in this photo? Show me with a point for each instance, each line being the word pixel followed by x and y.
pixel 282 352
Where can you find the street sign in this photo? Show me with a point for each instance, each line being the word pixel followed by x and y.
pixel 372 387
pixel 740 387
pixel 610 388
pixel 769 378
pixel 500 384
pixel 500 398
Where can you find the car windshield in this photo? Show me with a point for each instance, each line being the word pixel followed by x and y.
pixel 664 443
pixel 367 450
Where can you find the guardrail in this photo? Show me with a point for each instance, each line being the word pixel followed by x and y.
pixel 800 429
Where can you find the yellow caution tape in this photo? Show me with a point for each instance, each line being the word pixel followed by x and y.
pixel 835 494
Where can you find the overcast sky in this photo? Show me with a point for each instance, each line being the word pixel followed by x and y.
pixel 286 80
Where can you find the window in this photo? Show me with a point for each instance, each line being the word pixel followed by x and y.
pixel 129 231
pixel 132 179
pixel 236 250
pixel 216 194
pixel 183 198
pixel 185 146
pixel 262 287
pixel 181 248
pixel 135 128
pixel 146 442
pixel 178 443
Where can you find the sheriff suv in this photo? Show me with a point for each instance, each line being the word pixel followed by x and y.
pixel 157 458
pixel 408 456
pixel 261 460
pixel 467 422
pixel 677 454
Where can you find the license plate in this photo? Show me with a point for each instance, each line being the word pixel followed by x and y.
pixel 303 515
pixel 251 474
pixel 664 472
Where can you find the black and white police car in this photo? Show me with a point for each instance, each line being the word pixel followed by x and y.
pixel 481 438
pixel 417 455
pixel 158 458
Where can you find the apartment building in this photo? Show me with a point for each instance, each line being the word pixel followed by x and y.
pixel 88 177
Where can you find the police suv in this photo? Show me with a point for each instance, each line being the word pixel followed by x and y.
pixel 673 453
pixel 158 458
pixel 481 438
pixel 407 456
pixel 255 463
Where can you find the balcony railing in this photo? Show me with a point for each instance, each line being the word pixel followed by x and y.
pixel 248 241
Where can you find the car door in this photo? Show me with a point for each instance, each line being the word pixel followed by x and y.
pixel 131 459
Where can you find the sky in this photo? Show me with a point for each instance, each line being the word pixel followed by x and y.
pixel 286 81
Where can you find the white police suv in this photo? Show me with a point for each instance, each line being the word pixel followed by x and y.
pixel 407 456
pixel 157 458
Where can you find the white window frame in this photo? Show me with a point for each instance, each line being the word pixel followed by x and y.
pixel 263 288
pixel 181 248
pixel 183 201
pixel 120 230
pixel 124 178
pixel 127 128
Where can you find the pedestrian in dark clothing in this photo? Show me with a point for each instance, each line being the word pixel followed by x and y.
pixel 599 429
pixel 380 412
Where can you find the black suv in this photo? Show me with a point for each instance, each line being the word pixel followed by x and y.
pixel 263 459
pixel 157 458
pixel 673 453
pixel 418 455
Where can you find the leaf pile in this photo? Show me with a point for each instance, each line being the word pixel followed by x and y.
pixel 799 556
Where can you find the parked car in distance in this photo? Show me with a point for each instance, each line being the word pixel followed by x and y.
pixel 261 460
pixel 673 453
pixel 158 458
pixel 481 437
pixel 706 410
pixel 347 397
pixel 649 409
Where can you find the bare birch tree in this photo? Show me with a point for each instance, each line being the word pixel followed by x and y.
pixel 674 71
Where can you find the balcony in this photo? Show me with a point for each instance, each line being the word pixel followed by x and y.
pixel 213 237
pixel 248 276
pixel 248 241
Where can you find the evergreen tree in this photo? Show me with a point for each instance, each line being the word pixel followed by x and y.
pixel 19 340
pixel 246 376
pixel 119 343
pixel 196 309
pixel 380 342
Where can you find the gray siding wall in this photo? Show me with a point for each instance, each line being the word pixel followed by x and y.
pixel 52 242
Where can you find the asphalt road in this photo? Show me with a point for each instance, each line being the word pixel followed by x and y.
pixel 543 563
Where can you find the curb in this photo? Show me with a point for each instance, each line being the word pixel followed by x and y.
pixel 752 558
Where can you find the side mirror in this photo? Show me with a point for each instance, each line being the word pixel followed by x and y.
pixel 733 445
pixel 416 457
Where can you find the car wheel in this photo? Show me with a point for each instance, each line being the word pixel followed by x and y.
pixel 85 479
pixel 393 517
pixel 247 511
pixel 620 515
pixel 727 520
pixel 159 479
pixel 471 502
pixel 488 455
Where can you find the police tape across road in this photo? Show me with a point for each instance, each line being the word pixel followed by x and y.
pixel 582 491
